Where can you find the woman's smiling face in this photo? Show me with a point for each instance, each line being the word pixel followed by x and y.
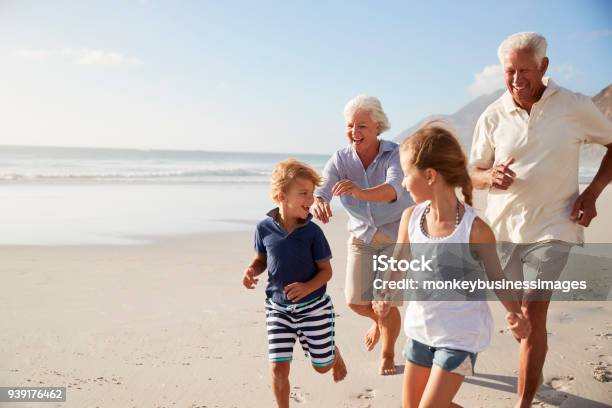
pixel 361 130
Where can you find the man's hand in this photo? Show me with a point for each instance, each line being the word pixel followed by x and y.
pixel 518 325
pixel 584 208
pixel 501 175
pixel 249 280
pixel 346 187
pixel 297 290
pixel 321 210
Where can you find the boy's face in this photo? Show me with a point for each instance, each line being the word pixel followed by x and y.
pixel 297 200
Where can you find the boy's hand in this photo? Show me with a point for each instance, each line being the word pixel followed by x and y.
pixel 518 325
pixel 249 280
pixel 297 290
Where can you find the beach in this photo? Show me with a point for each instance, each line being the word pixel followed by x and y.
pixel 168 324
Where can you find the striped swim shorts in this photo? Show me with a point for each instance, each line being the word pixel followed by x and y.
pixel 311 322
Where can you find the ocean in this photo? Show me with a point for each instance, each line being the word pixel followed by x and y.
pixel 83 196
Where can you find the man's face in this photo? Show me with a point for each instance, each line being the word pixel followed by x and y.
pixel 523 76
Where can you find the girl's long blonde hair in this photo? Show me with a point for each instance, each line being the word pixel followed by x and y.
pixel 435 147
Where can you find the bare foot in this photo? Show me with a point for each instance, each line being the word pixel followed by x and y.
pixel 372 336
pixel 387 366
pixel 339 368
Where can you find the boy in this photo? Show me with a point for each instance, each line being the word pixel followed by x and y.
pixel 296 254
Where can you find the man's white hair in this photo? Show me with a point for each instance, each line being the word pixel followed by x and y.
pixel 369 104
pixel 524 41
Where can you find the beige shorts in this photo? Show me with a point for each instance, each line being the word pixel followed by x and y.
pixel 360 274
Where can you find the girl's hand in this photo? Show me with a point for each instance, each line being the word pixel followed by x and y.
pixel 346 187
pixel 297 290
pixel 381 307
pixel 518 325
pixel 249 280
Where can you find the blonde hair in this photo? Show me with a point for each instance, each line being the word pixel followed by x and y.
pixel 286 172
pixel 435 147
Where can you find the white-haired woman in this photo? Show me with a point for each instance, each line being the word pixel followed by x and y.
pixel 367 177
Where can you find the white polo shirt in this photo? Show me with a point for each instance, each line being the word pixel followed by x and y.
pixel 546 147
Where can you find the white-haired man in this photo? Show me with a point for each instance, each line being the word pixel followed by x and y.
pixel 526 151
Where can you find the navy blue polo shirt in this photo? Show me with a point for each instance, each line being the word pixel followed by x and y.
pixel 291 257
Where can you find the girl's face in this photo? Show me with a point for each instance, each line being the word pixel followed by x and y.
pixel 416 182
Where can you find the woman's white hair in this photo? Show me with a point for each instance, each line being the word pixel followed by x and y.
pixel 524 41
pixel 369 104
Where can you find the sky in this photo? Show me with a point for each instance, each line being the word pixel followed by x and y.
pixel 266 76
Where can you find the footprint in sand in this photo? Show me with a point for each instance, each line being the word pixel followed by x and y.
pixel 557 393
pixel 567 318
pixel 298 397
pixel 367 394
pixel 603 372
pixel 591 347
pixel 605 358
pixel 561 383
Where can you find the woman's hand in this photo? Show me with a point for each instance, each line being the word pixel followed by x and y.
pixel 518 325
pixel 347 187
pixel 321 210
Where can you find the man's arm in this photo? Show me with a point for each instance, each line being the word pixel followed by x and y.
pixel 500 176
pixel 584 208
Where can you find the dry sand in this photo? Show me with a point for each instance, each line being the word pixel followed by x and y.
pixel 169 325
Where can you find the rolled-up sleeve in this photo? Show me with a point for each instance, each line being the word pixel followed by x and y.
pixel 394 174
pixel 598 129
pixel 330 178
pixel 483 153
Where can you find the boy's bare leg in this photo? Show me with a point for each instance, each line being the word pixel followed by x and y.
pixel 338 368
pixel 388 327
pixel 280 382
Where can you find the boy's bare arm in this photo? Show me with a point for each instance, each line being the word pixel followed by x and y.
pixel 256 268
pixel 298 290
pixel 259 264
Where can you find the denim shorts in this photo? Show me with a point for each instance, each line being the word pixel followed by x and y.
pixel 455 361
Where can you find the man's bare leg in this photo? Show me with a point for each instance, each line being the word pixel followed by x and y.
pixel 532 353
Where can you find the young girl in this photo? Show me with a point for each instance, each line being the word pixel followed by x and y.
pixel 444 337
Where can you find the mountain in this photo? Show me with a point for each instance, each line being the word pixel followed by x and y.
pixel 464 121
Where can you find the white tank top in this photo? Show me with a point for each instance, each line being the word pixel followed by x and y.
pixel 457 324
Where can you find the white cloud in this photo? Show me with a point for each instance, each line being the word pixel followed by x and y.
pixel 564 71
pixel 82 56
pixel 490 79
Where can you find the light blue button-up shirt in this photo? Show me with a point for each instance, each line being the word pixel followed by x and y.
pixel 365 217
